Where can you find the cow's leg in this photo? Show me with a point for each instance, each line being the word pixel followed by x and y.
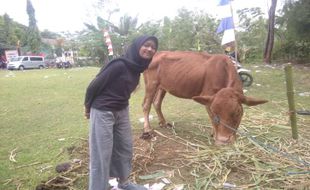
pixel 160 94
pixel 150 92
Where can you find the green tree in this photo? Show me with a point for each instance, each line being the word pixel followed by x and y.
pixel 11 33
pixel 49 34
pixel 166 34
pixel 293 32
pixel 149 27
pixel 127 25
pixel 92 44
pixel 205 38
pixel 189 30
pixel 21 34
pixel 33 34
pixel 183 38
pixel 8 31
pixel 120 34
pixel 297 19
pixel 270 36
pixel 251 33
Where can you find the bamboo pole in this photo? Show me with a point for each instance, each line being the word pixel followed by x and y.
pixel 236 44
pixel 290 98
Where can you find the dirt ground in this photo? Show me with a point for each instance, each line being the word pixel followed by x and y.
pixel 174 159
pixel 163 156
pixel 153 160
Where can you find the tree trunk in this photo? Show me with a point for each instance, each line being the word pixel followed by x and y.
pixel 270 35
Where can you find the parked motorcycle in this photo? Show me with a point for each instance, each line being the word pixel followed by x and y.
pixel 245 74
pixel 63 65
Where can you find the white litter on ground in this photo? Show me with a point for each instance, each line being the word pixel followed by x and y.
pixel 11 74
pixel 156 186
pixel 229 185
pixel 113 182
pixel 304 94
pixel 166 181
pixel 179 187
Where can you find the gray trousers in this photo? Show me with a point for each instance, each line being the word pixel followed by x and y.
pixel 110 145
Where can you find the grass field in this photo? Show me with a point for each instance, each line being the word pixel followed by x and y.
pixel 41 115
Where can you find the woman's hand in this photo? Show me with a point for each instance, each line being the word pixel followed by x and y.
pixel 87 113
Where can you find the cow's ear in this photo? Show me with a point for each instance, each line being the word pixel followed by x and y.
pixel 205 100
pixel 250 101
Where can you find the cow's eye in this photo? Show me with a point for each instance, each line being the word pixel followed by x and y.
pixel 233 114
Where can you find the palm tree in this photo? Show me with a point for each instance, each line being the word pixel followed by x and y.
pixel 126 25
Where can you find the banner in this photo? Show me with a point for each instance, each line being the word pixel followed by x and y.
pixel 108 41
pixel 227 22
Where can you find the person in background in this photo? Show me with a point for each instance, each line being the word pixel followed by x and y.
pixel 106 104
pixel 230 51
pixel 2 62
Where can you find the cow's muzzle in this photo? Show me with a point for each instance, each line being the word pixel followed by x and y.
pixel 224 140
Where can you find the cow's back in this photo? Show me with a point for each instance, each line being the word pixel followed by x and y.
pixel 188 74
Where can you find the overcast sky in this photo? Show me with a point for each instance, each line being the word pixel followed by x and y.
pixel 69 15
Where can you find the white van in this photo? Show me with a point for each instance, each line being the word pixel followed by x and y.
pixel 26 62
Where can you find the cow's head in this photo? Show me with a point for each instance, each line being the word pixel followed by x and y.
pixel 225 111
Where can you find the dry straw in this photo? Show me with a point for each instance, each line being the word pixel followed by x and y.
pixel 264 156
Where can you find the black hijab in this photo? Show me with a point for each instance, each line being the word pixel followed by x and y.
pixel 132 58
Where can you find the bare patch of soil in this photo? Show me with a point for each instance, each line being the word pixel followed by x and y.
pixel 162 156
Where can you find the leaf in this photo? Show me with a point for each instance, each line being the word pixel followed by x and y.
pixel 155 175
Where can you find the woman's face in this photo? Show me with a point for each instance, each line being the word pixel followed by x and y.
pixel 148 49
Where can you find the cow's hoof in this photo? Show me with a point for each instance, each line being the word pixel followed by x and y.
pixel 147 135
pixel 167 125
pixel 63 167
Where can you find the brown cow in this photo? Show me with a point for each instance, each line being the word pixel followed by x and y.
pixel 211 80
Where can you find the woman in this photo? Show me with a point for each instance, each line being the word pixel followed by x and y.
pixel 106 104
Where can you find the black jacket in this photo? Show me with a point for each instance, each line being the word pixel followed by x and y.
pixel 111 88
